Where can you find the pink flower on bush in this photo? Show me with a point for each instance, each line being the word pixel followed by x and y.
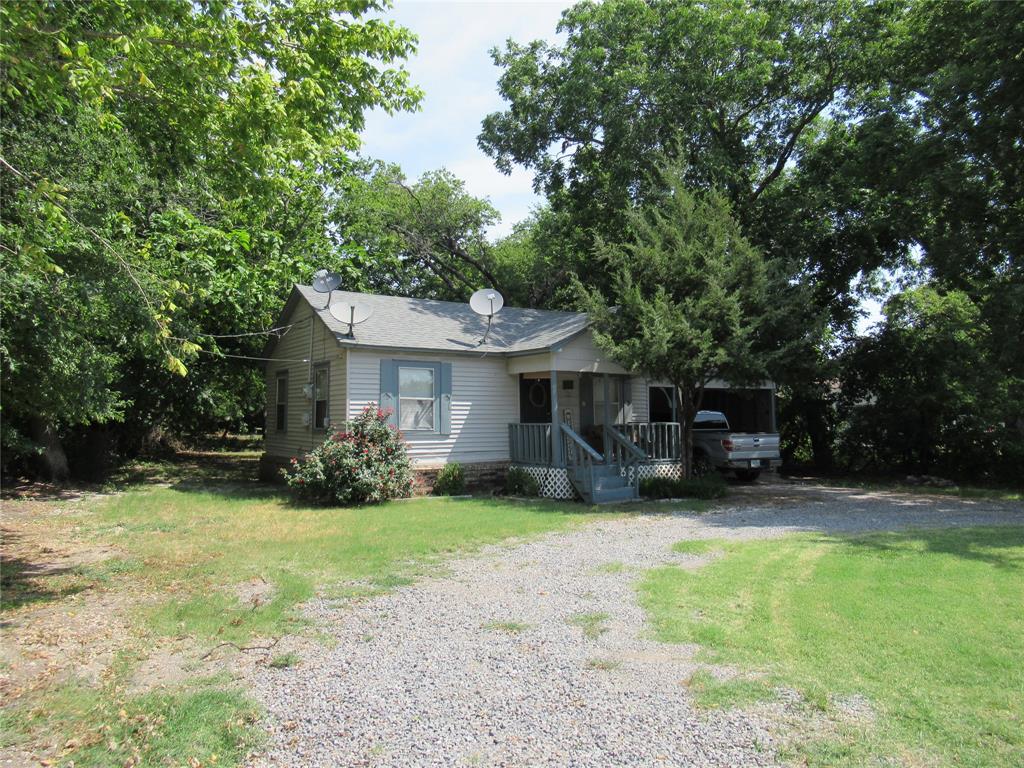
pixel 366 461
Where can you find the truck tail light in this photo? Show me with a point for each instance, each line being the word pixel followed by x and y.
pixel 727 444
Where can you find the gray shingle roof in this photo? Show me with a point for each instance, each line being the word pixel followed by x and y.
pixel 445 326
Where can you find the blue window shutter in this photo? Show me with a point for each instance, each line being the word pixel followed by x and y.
pixel 389 389
pixel 446 399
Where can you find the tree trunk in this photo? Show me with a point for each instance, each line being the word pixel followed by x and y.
pixel 52 462
pixel 689 403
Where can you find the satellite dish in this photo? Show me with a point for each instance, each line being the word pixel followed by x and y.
pixel 325 282
pixel 487 302
pixel 351 313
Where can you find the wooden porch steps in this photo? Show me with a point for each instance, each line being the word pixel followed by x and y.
pixel 610 486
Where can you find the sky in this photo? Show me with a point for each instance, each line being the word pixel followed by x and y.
pixel 454 68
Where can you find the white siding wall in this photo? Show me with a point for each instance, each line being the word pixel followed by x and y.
pixel 290 349
pixel 485 400
pixel 581 355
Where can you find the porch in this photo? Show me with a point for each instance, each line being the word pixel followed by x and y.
pixel 597 433
pixel 576 435
pixel 563 461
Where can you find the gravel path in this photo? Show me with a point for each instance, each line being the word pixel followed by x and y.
pixel 435 674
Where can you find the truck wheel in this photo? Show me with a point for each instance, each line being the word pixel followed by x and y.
pixel 701 466
pixel 747 475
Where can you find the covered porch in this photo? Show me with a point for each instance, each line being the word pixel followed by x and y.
pixel 596 434
pixel 576 435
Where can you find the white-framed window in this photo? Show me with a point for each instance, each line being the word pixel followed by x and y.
pixel 417 398
pixel 281 402
pixel 321 396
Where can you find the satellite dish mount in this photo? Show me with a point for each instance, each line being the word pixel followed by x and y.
pixel 351 313
pixel 325 282
pixel 486 302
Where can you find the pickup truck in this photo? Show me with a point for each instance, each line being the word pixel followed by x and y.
pixel 715 446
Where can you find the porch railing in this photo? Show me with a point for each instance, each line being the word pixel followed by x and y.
pixel 530 443
pixel 659 440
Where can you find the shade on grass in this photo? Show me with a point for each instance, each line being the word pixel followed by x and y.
pixel 928 625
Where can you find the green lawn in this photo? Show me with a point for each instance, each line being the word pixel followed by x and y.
pixel 184 553
pixel 927 625
pixel 192 544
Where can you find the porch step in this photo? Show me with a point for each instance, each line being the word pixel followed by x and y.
pixel 612 495
pixel 608 481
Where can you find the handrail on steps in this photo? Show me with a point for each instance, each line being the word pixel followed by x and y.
pixel 622 449
pixel 580 460
pixel 575 437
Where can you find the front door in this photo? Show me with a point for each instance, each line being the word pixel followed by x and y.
pixel 534 401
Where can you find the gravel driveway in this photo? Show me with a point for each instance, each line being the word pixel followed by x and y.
pixel 490 664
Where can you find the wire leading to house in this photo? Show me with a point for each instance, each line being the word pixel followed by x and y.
pixel 279 331
pixel 253 357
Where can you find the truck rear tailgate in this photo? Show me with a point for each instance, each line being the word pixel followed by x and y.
pixel 754 446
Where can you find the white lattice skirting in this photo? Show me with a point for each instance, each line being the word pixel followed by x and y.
pixel 552 481
pixel 660 470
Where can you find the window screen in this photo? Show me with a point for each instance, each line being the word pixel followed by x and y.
pixel 416 398
pixel 281 402
pixel 321 385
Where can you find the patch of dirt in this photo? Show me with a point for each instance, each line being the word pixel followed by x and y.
pixel 255 592
pixel 165 668
pixel 57 620
pixel 72 635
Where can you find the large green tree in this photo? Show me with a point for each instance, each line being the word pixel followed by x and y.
pixel 688 300
pixel 924 394
pixel 735 93
pixel 425 238
pixel 165 172
pixel 725 89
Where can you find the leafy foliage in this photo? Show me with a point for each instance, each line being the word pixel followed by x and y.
pixel 521 483
pixel 165 173
pixel 426 239
pixel 451 480
pixel 365 461
pixel 726 89
pixel 688 299
pixel 921 394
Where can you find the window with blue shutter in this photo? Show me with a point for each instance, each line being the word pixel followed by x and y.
pixel 418 394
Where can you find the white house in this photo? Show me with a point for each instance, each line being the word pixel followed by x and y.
pixel 534 393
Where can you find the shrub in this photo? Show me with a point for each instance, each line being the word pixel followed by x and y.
pixel 709 487
pixel 451 480
pixel 366 461
pixel 521 483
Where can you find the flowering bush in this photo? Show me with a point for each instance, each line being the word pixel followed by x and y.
pixel 365 461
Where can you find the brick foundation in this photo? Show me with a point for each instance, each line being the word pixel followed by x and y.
pixel 480 476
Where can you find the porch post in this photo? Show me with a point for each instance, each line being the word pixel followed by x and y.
pixel 771 411
pixel 556 423
pixel 604 381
